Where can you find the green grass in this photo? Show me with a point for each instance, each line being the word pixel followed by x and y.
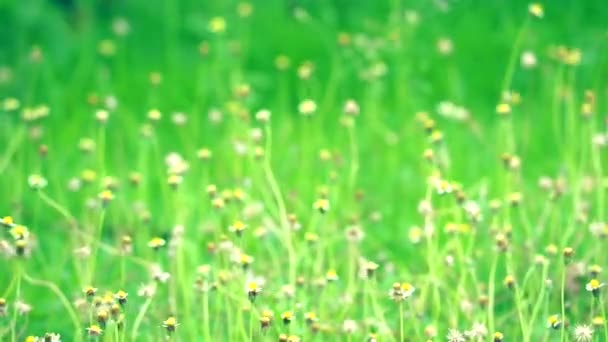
pixel 375 178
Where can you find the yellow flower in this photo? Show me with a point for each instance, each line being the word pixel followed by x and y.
pixel 310 317
pixel 554 322
pixel 89 291
pixel 245 260
pixel 238 227
pixel 407 289
pixel 94 330
pixel 598 321
pixel 174 180
pixel 594 270
pixel 331 275
pixel 287 317
pixel 311 237
pixel 204 154
pixel 253 289
pixel 121 296
pixel 20 232
pixel 594 286
pixel 509 281
pixel 156 243
pixel 170 324
pixel 154 115
pixel 503 109
pixel 322 205
pixel 106 196
pixel 7 221
pixel 498 336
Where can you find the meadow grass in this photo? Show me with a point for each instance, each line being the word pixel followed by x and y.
pixel 299 170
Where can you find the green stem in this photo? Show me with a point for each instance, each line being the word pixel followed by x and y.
pixel 139 318
pixel 64 300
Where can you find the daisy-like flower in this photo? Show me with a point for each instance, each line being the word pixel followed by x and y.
pixel 102 317
pixel 311 237
pixel 514 198
pixel 90 291
pixel 322 205
pixel 598 321
pixel 37 182
pixel 554 322
pixel 106 196
pixel 583 333
pixel 509 281
pixel 266 319
pixel 156 243
pixel 244 260
pixel 594 286
pixel 19 232
pixel 331 275
pixel 174 180
pixel 310 317
pixel 238 227
pixel 121 296
pixel 455 336
pixel 94 330
pixel 253 290
pixel 407 290
pixel 287 317
pixel 170 324
pixel 7 221
pixel 400 292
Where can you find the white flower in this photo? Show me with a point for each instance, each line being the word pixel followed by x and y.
pixel 528 59
pixel 37 182
pixel 349 326
pixel 478 331
pixel 583 333
pixel 455 336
